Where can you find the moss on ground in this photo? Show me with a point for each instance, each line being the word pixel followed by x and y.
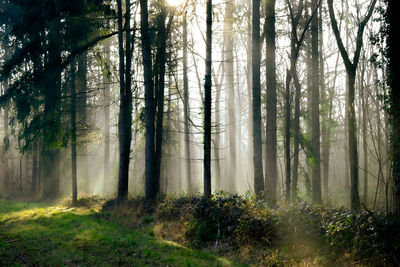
pixel 48 235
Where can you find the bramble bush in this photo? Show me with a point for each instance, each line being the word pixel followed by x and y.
pixel 367 235
pixel 224 218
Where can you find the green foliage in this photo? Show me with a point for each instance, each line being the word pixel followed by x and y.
pixel 43 235
pixel 364 236
pixel 224 218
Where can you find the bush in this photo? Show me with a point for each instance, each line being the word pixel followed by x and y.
pixel 366 235
pixel 230 219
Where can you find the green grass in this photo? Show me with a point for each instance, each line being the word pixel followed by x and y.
pixel 48 235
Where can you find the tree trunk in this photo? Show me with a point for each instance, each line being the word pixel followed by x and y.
pixel 271 135
pixel 186 112
pixel 81 86
pixel 107 82
pixel 229 40
pixel 364 100
pixel 287 136
pixel 207 104
pixel 73 136
pixel 394 96
pixel 315 99
pixel 159 73
pixel 325 107
pixel 257 140
pixel 34 185
pixel 351 69
pixel 125 112
pixel 150 189
pixel 51 131
pixel 249 92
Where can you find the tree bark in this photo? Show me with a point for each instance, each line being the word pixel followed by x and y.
pixel 150 188
pixel 394 96
pixel 125 112
pixel 186 112
pixel 74 173
pixel 107 82
pixel 256 62
pixel 315 100
pixel 208 103
pixel 82 121
pixel 271 135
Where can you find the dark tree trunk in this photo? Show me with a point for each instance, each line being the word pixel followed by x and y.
pixel 51 131
pixel 256 62
pixel 271 135
pixel 82 121
pixel 125 112
pixel 315 99
pixel 207 104
pixel 106 81
pixel 394 95
pixel 159 73
pixel 34 185
pixel 6 142
pixel 73 136
pixel 150 189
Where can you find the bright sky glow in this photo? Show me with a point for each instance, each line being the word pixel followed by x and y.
pixel 175 3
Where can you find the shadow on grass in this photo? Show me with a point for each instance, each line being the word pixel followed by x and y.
pixel 36 234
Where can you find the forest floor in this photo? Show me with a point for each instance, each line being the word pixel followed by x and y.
pixel 40 234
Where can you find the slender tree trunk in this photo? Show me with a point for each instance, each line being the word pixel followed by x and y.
pixel 207 104
pixel 160 82
pixel 73 136
pixel 217 140
pixel 257 140
pixel 6 142
pixel 230 82
pixel 325 111
pixel 287 136
pixel 271 135
pixel 186 106
pixel 34 184
pixel 107 82
pixel 150 189
pixel 249 90
pixel 125 113
pixel 81 86
pixel 364 100
pixel 315 100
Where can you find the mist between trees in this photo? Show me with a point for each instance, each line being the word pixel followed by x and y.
pixel 290 100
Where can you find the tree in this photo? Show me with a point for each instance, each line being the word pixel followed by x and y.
pixel 271 135
pixel 125 112
pixel 73 136
pixel 256 92
pixel 315 101
pixel 186 111
pixel 393 12
pixel 208 103
pixel 351 70
pixel 229 41
pixel 150 190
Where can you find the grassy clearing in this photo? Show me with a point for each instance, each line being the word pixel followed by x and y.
pixel 43 235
